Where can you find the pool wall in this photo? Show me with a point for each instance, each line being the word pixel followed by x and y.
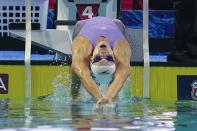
pixel 165 84
pixel 168 82
pixel 12 77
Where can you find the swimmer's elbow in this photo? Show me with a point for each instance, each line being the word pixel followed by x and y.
pixel 124 72
pixel 128 72
pixel 78 70
pixel 75 68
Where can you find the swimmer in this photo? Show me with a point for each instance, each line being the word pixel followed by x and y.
pixel 100 49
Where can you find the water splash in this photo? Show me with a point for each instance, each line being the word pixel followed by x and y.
pixel 124 97
pixel 61 89
pixel 62 93
pixel 105 109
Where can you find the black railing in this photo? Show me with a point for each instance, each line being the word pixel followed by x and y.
pixel 65 22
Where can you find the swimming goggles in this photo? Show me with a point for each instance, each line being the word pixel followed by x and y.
pixel 98 58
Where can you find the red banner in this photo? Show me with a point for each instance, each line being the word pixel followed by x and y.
pixel 87 11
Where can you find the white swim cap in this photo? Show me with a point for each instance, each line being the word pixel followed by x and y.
pixel 103 74
pixel 103 70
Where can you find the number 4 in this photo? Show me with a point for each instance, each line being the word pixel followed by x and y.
pixel 88 12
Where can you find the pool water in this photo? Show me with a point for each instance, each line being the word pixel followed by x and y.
pixel 57 114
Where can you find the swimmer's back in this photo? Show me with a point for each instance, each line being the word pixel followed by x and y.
pixel 101 26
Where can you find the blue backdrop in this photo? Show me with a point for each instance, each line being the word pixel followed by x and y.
pixel 161 22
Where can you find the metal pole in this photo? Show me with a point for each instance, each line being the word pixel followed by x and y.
pixel 146 48
pixel 28 49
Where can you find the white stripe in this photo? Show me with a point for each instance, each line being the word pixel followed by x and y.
pixel 146 48
pixel 103 129
pixel 28 49
pixel 132 127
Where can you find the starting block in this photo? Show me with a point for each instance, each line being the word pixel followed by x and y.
pixel 70 11
pixel 55 40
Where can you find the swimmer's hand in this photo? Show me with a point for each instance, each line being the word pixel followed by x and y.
pixel 103 101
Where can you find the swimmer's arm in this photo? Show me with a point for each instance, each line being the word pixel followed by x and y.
pixel 123 58
pixel 80 66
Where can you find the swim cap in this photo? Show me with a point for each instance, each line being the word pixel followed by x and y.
pixel 103 74
pixel 103 70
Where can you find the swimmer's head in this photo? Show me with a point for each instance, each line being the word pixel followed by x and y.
pixel 102 54
pixel 103 74
pixel 102 61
